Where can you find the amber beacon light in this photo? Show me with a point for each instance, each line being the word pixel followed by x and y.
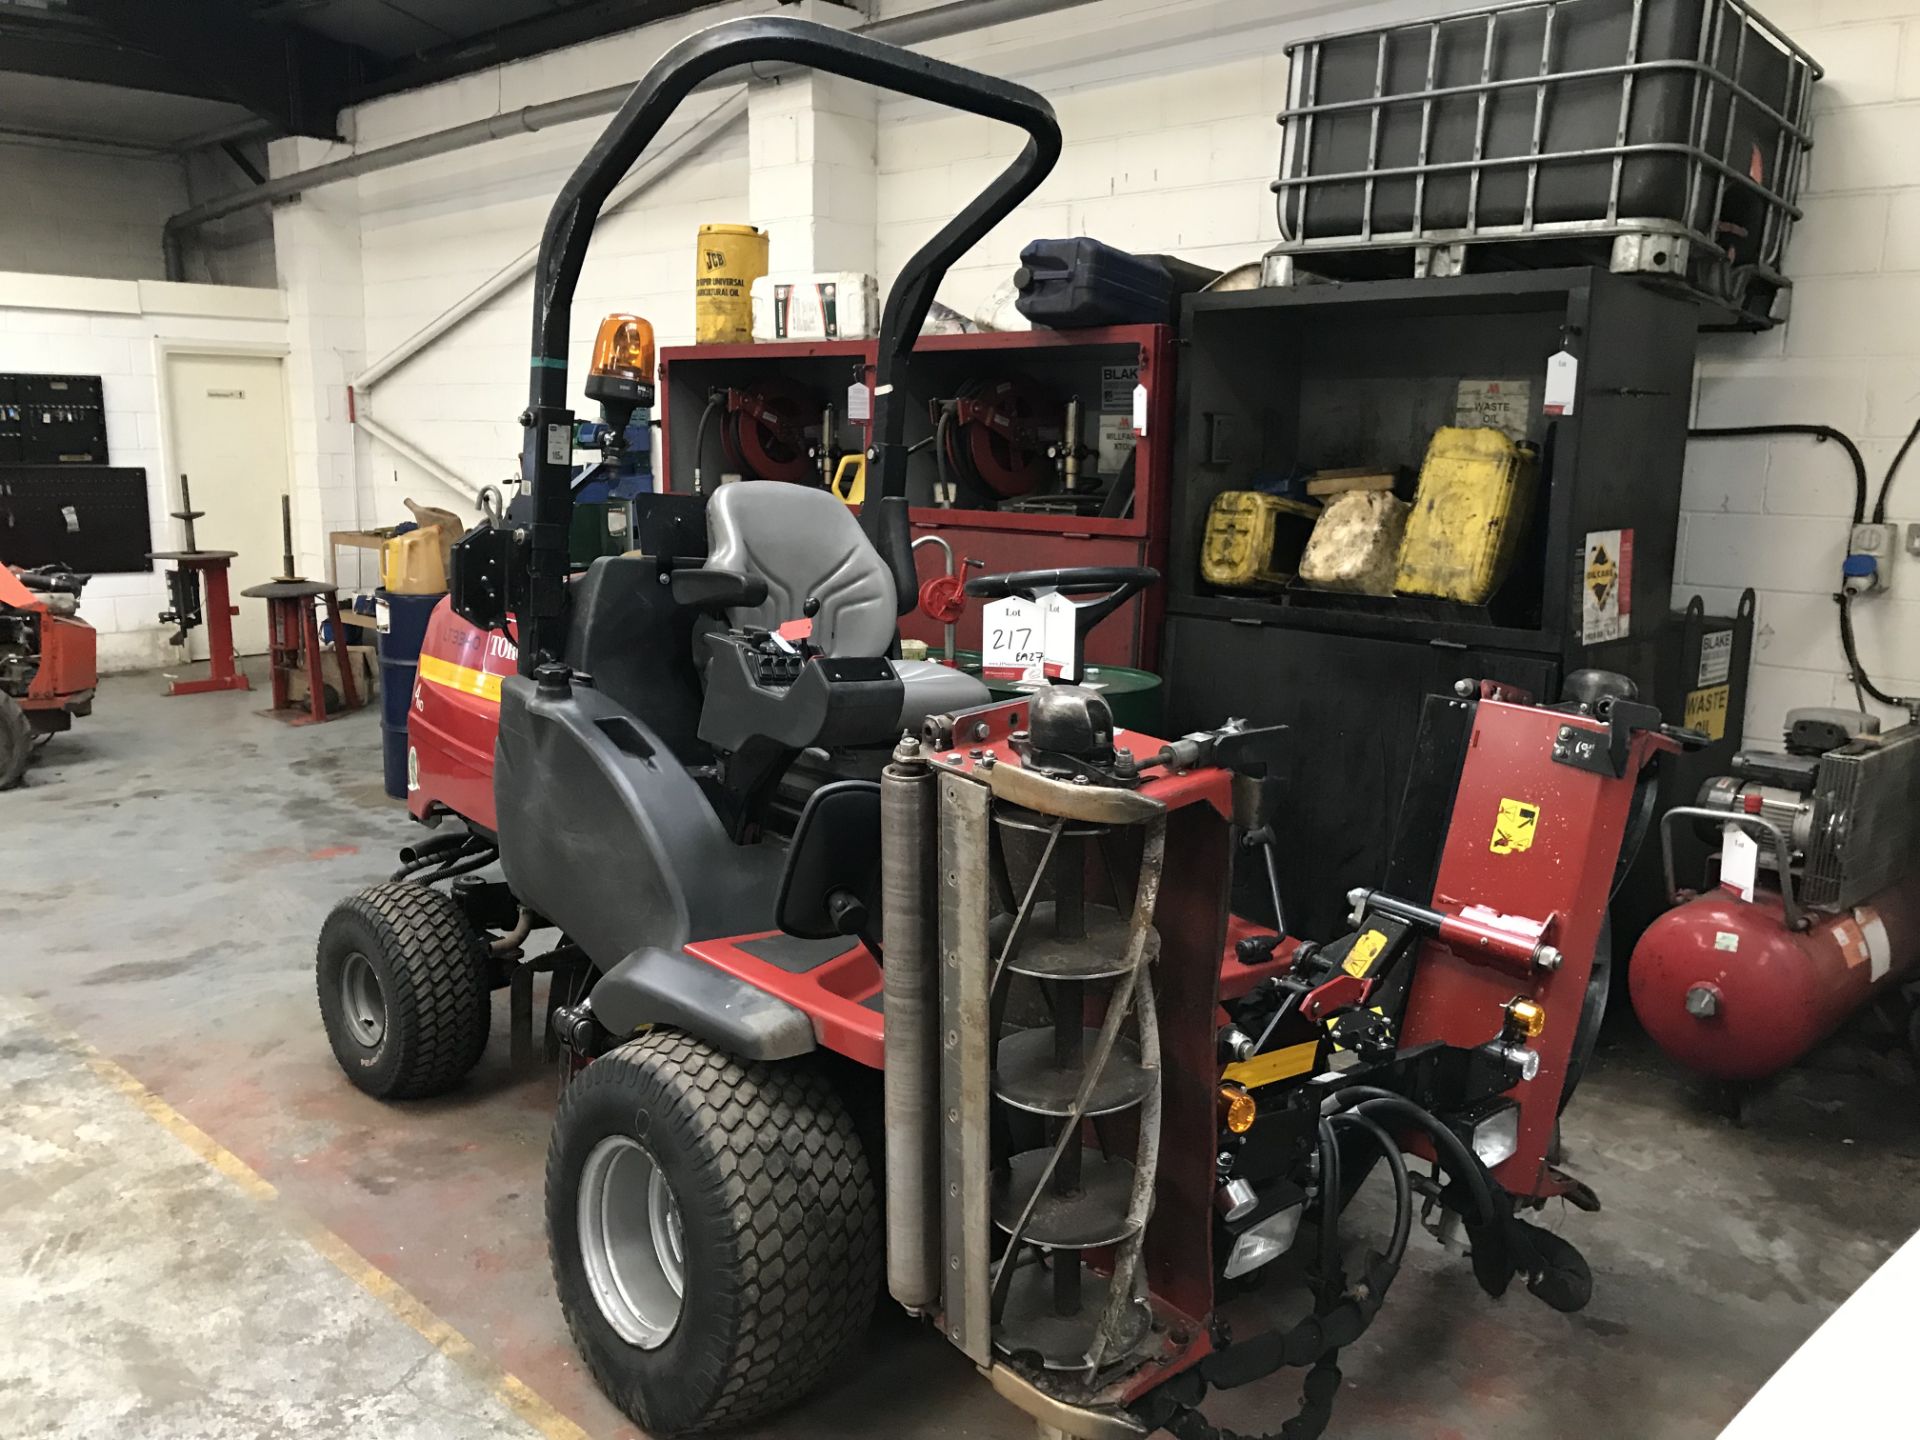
pixel 622 372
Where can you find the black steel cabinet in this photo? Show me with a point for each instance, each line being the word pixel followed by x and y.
pixel 1326 375
pixel 1280 380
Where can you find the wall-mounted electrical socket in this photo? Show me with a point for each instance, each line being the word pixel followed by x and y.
pixel 1875 540
pixel 1869 563
pixel 1913 539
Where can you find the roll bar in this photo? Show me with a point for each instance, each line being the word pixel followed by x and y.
pixel 547 458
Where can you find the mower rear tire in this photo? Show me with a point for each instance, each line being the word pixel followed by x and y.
pixel 405 991
pixel 16 742
pixel 714 1229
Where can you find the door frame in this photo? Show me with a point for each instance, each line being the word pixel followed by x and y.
pixel 165 350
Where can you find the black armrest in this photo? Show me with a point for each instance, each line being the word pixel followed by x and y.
pixel 716 591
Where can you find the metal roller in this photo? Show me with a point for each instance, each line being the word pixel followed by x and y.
pixel 909 928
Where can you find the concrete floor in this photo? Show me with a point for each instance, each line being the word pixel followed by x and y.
pixel 168 865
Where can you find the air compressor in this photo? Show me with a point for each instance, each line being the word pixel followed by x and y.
pixel 1817 906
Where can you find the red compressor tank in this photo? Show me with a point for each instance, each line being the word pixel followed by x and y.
pixel 1727 989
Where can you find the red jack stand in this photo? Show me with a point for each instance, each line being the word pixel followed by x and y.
pixel 194 566
pixel 183 590
pixel 293 643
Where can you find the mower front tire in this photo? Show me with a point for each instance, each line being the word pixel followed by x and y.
pixel 404 990
pixel 16 742
pixel 714 1228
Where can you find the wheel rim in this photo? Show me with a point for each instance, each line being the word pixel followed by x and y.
pixel 632 1241
pixel 361 1001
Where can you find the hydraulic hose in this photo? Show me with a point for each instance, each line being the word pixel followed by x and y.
pixel 438 850
pixel 1397 1172
pixel 714 398
pixel 1338 1321
pixel 1329 1210
pixel 949 486
pixel 1461 1162
pixel 478 861
pixel 1317 1394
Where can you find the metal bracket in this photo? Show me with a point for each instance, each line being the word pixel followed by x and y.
pixel 1276 270
pixel 1437 261
pixel 1782 853
pixel 1646 253
pixel 1605 754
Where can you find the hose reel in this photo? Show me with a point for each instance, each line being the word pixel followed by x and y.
pixel 764 430
pixel 992 440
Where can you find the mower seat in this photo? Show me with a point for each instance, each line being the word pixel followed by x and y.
pixel 808 546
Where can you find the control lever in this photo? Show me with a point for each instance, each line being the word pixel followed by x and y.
pixel 1232 747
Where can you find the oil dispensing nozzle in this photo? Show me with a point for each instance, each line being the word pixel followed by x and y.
pixel 824 454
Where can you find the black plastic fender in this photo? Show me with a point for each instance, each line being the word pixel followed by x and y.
pixel 668 987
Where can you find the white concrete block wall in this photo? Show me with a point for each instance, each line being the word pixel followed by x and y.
pixel 117 331
pixel 239 249
pixel 430 233
pixel 421 251
pixel 84 210
pixel 317 242
pixel 1148 165
pixel 74 210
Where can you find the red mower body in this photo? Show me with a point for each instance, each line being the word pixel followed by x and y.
pixel 1536 838
pixel 66 674
pixel 455 717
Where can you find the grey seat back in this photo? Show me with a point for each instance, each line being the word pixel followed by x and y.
pixel 806 545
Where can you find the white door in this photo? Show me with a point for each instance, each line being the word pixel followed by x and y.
pixel 229 423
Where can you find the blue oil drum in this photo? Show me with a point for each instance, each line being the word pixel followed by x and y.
pixel 402 627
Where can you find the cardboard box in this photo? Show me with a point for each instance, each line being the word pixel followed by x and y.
pixel 366 674
pixel 833 305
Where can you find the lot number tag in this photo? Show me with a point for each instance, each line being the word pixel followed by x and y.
pixel 1028 640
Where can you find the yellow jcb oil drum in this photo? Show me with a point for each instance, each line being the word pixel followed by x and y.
pixel 731 258
pixel 1471 507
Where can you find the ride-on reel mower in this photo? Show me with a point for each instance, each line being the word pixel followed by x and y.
pixel 990 959
pixel 47 674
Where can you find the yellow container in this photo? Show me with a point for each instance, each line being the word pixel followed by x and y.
pixel 850 479
pixel 1469 512
pixel 415 563
pixel 1253 539
pixel 730 259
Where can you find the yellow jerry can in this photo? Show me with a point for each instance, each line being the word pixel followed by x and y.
pixel 1469 512
pixel 1253 539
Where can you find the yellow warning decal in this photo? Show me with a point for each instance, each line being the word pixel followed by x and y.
pixel 1707 710
pixel 1513 828
pixel 464 678
pixel 1366 949
pixel 1275 1065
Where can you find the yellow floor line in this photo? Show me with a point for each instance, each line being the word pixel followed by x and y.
pixel 509 1390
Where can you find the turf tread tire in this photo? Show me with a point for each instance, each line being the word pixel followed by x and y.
pixel 433 971
pixel 774 1176
pixel 16 742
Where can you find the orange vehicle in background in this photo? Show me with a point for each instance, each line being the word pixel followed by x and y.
pixel 47 669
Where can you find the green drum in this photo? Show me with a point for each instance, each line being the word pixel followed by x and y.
pixel 1134 695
